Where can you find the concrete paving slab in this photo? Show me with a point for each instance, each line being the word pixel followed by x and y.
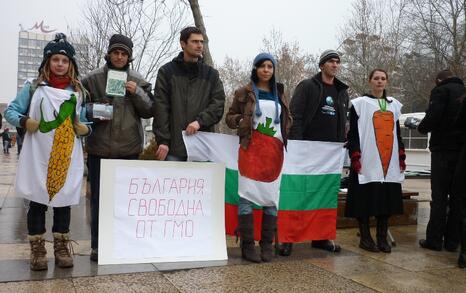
pixel 18 270
pixel 407 269
pixel 143 282
pixel 293 276
pixel 351 266
pixel 408 282
pixel 49 286
pixel 174 266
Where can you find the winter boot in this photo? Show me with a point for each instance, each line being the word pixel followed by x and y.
pixel 462 256
pixel 269 227
pixel 246 231
pixel 286 249
pixel 366 242
pixel 61 247
pixel 382 231
pixel 38 260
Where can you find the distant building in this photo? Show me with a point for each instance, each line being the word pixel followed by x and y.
pixel 31 45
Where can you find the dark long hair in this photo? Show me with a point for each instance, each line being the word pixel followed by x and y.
pixel 371 75
pixel 255 78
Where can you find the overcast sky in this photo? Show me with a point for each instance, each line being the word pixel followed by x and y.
pixel 235 28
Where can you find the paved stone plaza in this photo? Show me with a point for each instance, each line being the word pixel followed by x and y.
pixel 407 269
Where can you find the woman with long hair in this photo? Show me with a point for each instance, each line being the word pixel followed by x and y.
pixel 377 161
pixel 262 120
pixel 50 167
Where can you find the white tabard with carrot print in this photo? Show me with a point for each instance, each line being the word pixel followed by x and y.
pixel 377 139
pixel 51 165
pixel 260 166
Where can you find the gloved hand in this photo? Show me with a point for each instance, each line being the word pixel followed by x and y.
pixel 402 159
pixel 355 161
pixel 32 125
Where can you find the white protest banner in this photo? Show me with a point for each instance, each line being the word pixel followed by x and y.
pixel 153 211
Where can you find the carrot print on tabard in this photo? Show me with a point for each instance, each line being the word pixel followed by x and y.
pixel 383 129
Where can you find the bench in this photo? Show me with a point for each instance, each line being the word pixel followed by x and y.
pixel 409 217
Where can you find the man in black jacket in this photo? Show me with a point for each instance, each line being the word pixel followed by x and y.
pixel 445 144
pixel 189 96
pixel 319 108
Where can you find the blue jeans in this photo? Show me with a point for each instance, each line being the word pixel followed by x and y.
pixel 245 208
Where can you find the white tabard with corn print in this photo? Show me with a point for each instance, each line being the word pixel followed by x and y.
pixel 50 168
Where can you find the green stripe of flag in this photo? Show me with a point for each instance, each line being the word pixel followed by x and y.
pixel 297 192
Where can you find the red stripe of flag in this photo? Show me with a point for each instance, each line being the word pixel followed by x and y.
pixel 293 226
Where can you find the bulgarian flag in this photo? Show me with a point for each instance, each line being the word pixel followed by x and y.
pixel 308 190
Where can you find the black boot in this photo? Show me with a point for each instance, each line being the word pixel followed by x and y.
pixel 366 242
pixel 246 231
pixel 269 226
pixel 285 249
pixel 382 231
pixel 462 256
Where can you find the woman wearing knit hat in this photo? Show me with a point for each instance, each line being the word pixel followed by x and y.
pixel 262 120
pixel 50 167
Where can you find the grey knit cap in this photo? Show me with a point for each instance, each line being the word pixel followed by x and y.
pixel 327 55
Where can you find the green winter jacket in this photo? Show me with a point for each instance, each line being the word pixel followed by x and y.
pixel 123 135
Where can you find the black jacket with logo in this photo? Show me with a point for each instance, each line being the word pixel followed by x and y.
pixel 305 103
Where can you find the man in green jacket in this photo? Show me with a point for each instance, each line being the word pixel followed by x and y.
pixel 189 96
pixel 117 133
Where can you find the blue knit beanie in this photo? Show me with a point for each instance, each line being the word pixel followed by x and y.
pixel 257 60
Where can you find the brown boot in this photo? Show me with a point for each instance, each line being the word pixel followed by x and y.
pixel 61 243
pixel 38 252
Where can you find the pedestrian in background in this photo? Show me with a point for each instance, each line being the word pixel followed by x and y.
pixel 459 187
pixel 6 138
pixel 445 144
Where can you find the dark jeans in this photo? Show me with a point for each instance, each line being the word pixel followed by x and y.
pixel 172 158
pixel 445 212
pixel 93 165
pixel 36 219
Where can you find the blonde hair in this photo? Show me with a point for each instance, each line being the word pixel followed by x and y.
pixel 44 75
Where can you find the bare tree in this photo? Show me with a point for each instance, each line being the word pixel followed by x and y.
pixel 234 74
pixel 199 22
pixel 152 25
pixel 372 38
pixel 411 39
pixel 439 29
pixel 293 64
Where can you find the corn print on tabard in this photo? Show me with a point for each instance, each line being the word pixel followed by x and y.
pixel 55 160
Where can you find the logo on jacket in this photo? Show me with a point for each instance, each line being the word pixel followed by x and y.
pixel 328 108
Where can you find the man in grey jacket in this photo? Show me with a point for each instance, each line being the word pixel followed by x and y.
pixel 189 96
pixel 118 135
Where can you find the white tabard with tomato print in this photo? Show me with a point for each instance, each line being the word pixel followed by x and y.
pixel 260 165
